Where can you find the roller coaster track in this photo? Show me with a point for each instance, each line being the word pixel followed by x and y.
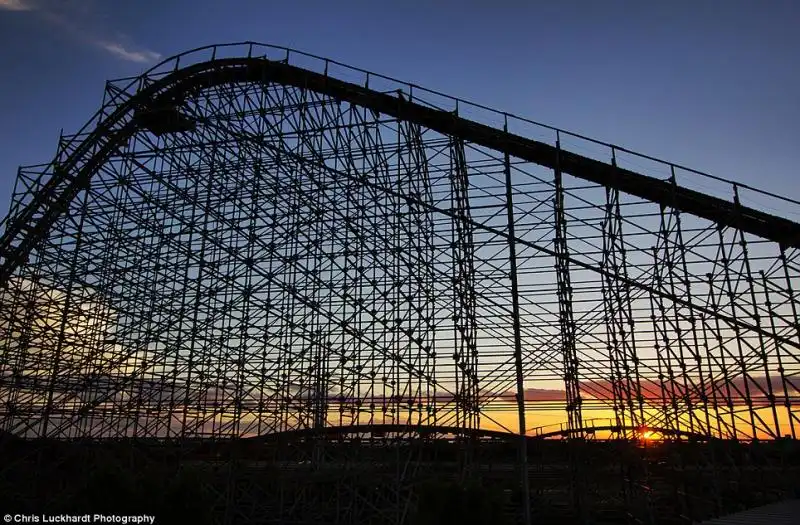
pixel 27 229
pixel 383 430
pixel 230 252
pixel 155 105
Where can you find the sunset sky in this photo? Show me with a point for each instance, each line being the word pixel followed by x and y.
pixel 710 88
pixel 90 324
pixel 706 84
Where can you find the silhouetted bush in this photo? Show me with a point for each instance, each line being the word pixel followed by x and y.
pixel 466 504
pixel 78 482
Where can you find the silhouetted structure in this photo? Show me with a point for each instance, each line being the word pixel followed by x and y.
pixel 321 295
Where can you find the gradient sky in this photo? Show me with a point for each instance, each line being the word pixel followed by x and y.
pixel 711 84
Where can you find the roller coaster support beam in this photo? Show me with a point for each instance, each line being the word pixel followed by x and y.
pixel 512 261
pixel 25 231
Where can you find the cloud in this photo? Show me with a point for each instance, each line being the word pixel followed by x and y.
pixel 533 395
pixel 120 51
pixel 16 5
pixel 75 20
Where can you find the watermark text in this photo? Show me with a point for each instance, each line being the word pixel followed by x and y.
pixel 79 518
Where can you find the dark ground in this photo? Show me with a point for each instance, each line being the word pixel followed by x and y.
pixel 383 482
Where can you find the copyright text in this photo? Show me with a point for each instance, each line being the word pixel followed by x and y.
pixel 78 518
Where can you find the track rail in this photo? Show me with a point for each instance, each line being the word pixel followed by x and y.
pixel 381 430
pixel 32 224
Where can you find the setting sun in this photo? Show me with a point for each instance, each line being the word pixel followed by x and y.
pixel 647 435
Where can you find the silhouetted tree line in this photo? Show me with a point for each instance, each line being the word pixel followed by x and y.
pixel 469 503
pixel 103 484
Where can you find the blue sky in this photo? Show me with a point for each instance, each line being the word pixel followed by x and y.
pixel 710 84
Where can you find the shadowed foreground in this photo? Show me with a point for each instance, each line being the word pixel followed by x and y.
pixel 356 482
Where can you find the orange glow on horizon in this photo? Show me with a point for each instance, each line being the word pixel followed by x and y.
pixel 648 435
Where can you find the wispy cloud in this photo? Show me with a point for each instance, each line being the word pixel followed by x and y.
pixel 72 19
pixel 15 5
pixel 120 51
